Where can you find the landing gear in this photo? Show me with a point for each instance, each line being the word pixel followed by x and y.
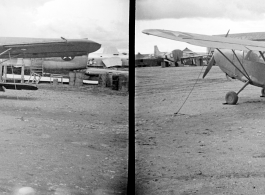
pixel 262 92
pixel 231 98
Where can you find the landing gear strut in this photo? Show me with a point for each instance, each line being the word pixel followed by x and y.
pixel 232 97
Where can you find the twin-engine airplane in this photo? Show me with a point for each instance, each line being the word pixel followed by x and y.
pixel 14 47
pixel 246 65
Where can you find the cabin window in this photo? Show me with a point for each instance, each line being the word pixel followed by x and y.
pixel 254 56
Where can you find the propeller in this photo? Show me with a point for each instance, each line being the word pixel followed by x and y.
pixel 209 66
pixel 211 62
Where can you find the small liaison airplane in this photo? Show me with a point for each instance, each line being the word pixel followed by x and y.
pixel 246 65
pixel 67 49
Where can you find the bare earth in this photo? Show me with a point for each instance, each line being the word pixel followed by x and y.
pixel 209 148
pixel 64 140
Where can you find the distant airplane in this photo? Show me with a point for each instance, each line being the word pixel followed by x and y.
pixel 109 58
pixel 168 57
pixel 67 49
pixel 178 56
pixel 246 65
pixel 143 60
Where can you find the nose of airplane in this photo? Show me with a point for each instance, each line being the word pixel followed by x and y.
pixel 92 46
pixel 82 46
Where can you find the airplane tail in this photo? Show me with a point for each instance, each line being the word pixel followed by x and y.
pixel 110 50
pixel 157 53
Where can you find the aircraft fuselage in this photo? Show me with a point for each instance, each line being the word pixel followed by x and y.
pixel 253 65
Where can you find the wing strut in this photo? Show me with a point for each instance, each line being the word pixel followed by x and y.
pixel 9 55
pixel 241 64
pixel 5 51
pixel 245 74
pixel 262 55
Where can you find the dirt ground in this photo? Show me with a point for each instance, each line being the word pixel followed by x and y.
pixel 209 147
pixel 63 140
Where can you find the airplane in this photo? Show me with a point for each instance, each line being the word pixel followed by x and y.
pixel 247 64
pixel 143 60
pixel 109 58
pixel 22 47
pixel 177 55
pixel 169 57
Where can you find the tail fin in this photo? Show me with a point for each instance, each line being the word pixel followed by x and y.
pixel 157 53
pixel 110 50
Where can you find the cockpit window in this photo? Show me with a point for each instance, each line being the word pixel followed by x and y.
pixel 254 56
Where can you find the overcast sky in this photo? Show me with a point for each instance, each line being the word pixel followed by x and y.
pixel 202 17
pixel 103 21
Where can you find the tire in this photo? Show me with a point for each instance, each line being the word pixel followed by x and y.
pixel 231 98
pixel 263 92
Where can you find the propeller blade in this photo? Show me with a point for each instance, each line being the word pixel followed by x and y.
pixel 209 66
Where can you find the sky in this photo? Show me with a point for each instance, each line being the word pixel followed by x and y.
pixel 210 17
pixel 103 21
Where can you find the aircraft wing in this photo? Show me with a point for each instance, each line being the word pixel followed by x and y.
pixel 47 48
pixel 207 40
pixel 17 86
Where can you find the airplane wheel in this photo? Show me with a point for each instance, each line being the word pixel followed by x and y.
pixel 263 92
pixel 231 97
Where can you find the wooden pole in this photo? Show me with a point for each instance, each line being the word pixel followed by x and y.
pixel 22 73
pixel 1 72
pixel 102 80
pixel 5 70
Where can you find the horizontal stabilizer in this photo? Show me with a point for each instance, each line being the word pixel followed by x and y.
pixel 109 62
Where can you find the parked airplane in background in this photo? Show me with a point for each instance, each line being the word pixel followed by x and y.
pixel 246 65
pixel 109 58
pixel 143 60
pixel 178 56
pixel 169 57
pixel 15 47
